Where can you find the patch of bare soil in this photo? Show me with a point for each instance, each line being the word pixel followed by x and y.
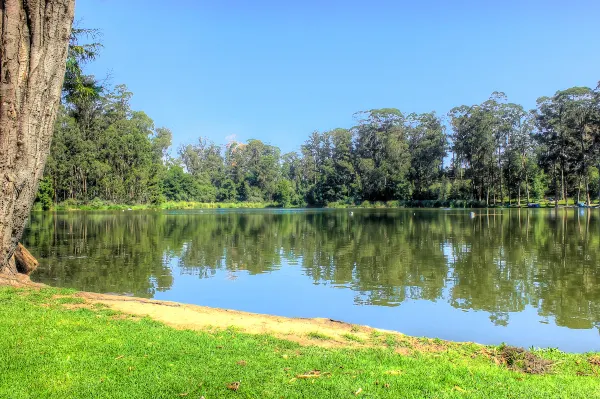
pixel 18 280
pixel 299 330
pixel 520 359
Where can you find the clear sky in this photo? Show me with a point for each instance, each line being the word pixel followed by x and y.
pixel 277 70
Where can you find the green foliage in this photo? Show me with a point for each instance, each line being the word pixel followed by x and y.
pixel 180 186
pixel 284 193
pixel 78 88
pixel 112 156
pixel 45 194
pixel 318 335
pixel 594 179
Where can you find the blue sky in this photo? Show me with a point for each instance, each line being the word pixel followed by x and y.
pixel 277 70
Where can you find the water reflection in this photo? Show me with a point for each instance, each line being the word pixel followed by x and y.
pixel 499 262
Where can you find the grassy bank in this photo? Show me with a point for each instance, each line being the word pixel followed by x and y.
pixel 451 204
pixel 106 206
pixel 56 346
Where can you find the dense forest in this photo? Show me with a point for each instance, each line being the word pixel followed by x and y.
pixel 485 154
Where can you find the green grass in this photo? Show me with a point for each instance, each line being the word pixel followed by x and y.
pixel 52 349
pixel 318 335
pixel 352 337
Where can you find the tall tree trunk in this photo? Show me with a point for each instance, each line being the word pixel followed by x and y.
pixel 500 176
pixel 526 181
pixel 555 187
pixel 34 38
pixel 563 187
pixel 599 183
pixel 588 200
pixel 487 197
pixel 584 168
pixel 578 188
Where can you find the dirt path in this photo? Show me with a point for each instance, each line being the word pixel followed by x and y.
pixel 322 332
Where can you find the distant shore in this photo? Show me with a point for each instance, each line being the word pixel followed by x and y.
pixel 182 205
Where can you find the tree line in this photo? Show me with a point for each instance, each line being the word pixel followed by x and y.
pixel 496 152
pixel 486 154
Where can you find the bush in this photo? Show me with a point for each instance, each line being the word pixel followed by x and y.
pixel 337 205
pixel 285 191
pixel 45 194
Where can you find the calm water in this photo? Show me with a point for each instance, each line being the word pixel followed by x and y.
pixel 528 277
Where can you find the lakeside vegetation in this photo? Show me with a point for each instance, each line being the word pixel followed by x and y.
pixel 487 154
pixel 99 205
pixel 83 351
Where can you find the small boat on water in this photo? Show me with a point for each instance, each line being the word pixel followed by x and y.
pixel 533 205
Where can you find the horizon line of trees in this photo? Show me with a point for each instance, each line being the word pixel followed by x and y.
pixel 487 153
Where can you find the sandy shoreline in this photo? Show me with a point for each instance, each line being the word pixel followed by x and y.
pixel 306 331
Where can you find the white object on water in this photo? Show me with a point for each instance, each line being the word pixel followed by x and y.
pixel 351 213
pixel 472 215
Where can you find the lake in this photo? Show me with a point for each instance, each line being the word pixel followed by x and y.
pixel 527 277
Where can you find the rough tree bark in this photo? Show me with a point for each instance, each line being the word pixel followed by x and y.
pixel 34 38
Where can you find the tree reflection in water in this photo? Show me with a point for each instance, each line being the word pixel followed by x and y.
pixel 499 261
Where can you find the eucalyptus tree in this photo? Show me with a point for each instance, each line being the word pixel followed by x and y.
pixel 474 147
pixel 499 121
pixel 580 109
pixel 346 179
pixel 317 168
pixel 254 168
pixel 548 128
pixel 34 37
pixel 312 157
pixel 596 135
pixel 81 93
pixel 162 139
pixel 564 124
pixel 520 157
pixel 382 155
pixel 291 168
pixel 116 156
pixel 205 162
pixel 427 143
